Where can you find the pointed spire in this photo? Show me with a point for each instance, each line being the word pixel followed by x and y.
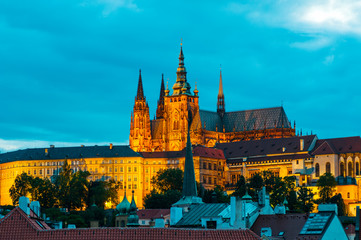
pixel 133 219
pixel 189 181
pixel 220 103
pixel 160 107
pixel 140 93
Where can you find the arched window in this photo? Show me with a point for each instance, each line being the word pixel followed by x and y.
pixel 342 169
pixel 175 125
pixel 349 168
pixel 348 195
pixel 357 168
pixel 317 170
pixel 328 167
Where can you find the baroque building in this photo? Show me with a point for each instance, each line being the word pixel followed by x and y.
pixel 179 110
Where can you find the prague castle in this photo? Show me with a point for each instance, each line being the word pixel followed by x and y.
pixel 179 109
pixel 226 145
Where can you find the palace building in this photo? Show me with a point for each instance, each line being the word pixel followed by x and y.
pixel 179 109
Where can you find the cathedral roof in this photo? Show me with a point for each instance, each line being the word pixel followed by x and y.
pixel 54 153
pixel 257 119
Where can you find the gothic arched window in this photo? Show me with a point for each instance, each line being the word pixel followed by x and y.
pixel 342 169
pixel 317 170
pixel 357 168
pixel 328 167
pixel 349 168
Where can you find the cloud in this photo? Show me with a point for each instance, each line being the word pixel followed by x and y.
pixel 329 59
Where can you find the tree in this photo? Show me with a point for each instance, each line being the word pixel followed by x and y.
pixel 341 208
pixel 240 187
pixel 305 199
pixel 21 187
pixel 72 188
pixel 219 194
pixel 168 179
pixel 155 199
pixel 326 184
pixel 103 191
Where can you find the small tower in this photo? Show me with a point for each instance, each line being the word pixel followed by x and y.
pixel 160 107
pixel 140 132
pixel 122 209
pixel 220 103
pixel 133 219
pixel 189 192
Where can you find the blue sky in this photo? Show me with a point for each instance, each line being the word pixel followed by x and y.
pixel 69 69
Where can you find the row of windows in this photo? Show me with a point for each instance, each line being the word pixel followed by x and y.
pixel 209 180
pixel 106 161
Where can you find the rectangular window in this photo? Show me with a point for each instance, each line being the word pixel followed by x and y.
pixel 204 165
pixel 110 169
pixel 204 179
pixel 116 161
pixel 116 178
pixel 129 169
pixel 96 170
pixel 134 186
pixel 135 178
pixel 215 181
pixel 121 161
pixel 214 166
pixel 135 169
pixel 129 186
pixel 34 172
pixel 146 170
pixel 146 179
pixel 54 171
pixel 129 178
pixel 91 162
pixel 48 171
pixel 121 178
pixel 28 172
pixel 210 166
pixel 116 169
pixel 209 180
pixel 121 169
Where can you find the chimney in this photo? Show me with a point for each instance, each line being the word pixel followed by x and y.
pixel 24 204
pixel 52 146
pixel 35 207
pixel 46 152
pixel 302 144
pixel 111 146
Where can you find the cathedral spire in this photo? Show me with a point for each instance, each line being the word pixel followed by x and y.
pixel 160 107
pixel 220 103
pixel 181 86
pixel 140 93
pixel 189 181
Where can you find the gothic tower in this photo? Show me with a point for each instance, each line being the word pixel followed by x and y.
pixel 160 107
pixel 140 132
pixel 179 109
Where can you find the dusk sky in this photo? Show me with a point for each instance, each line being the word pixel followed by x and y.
pixel 69 68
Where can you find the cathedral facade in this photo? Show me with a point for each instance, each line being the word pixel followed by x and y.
pixel 179 110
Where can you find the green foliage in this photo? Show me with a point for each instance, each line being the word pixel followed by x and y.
pixel 341 207
pixel 305 200
pixel 219 194
pixel 168 179
pixel 38 189
pixel 240 187
pixel 155 200
pixel 326 184
pixel 21 187
pixel 72 188
pixel 102 191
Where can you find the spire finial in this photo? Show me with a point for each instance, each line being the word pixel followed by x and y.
pixel 140 93
pixel 181 42
pixel 220 103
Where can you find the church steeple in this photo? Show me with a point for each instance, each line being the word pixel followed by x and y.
pixel 220 103
pixel 160 108
pixel 189 181
pixel 181 86
pixel 140 93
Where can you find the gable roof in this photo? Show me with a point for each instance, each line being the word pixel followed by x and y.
pixel 55 153
pixel 337 145
pixel 153 213
pixel 257 119
pixel 16 225
pixel 260 148
pixel 289 224
pixel 196 212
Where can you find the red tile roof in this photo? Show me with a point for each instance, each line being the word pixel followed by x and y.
pixel 198 150
pixel 16 225
pixel 153 213
pixel 337 145
pixel 290 224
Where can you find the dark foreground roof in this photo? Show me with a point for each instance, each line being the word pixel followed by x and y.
pixel 68 152
pixel 257 119
pixel 16 225
pixel 337 145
